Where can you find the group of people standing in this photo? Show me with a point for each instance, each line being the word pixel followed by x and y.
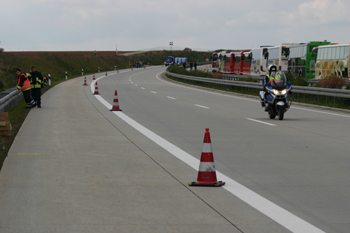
pixel 191 65
pixel 31 86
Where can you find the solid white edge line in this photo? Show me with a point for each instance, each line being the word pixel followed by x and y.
pixel 329 113
pixel 260 122
pixel 270 209
pixel 171 97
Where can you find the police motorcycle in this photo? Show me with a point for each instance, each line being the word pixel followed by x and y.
pixel 275 98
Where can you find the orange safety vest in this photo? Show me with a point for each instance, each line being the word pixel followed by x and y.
pixel 26 83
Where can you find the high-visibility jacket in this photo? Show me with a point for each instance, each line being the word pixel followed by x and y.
pixel 277 78
pixel 35 79
pixel 44 82
pixel 25 84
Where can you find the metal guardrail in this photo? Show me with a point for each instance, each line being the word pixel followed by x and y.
pixel 225 83
pixel 9 98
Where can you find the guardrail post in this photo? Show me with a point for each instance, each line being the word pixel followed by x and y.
pixel 82 72
pixel 49 79
pixel 66 75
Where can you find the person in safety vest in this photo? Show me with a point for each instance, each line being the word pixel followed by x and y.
pixel 25 86
pixel 268 79
pixel 44 83
pixel 271 75
pixel 36 79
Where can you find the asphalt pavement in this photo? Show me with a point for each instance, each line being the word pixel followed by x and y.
pixel 76 166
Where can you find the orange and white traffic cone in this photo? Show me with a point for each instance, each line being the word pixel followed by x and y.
pixel 85 83
pixel 93 78
pixel 118 71
pixel 96 89
pixel 207 173
pixel 115 102
pixel 106 73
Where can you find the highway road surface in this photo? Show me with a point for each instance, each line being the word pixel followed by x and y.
pixel 76 166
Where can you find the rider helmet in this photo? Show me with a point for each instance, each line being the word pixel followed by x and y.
pixel 272 68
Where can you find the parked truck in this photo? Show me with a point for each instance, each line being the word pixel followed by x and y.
pixel 171 60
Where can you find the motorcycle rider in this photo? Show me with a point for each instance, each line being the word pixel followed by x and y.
pixel 272 77
pixel 268 79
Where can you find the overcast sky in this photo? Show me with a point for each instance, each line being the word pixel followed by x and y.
pixel 80 25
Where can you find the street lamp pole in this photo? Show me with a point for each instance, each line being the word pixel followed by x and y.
pixel 171 46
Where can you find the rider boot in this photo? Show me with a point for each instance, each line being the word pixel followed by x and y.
pixel 265 102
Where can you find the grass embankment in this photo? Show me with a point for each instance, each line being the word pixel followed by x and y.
pixel 57 65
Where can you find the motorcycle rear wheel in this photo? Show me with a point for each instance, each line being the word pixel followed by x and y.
pixel 281 114
pixel 272 116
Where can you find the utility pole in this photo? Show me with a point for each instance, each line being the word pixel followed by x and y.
pixel 171 46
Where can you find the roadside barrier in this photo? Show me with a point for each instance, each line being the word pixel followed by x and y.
pixel 255 87
pixel 115 102
pixel 96 89
pixel 206 172
pixel 9 98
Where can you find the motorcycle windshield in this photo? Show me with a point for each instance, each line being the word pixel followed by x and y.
pixel 279 80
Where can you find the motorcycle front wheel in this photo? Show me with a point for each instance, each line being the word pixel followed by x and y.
pixel 281 114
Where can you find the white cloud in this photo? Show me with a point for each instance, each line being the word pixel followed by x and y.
pixel 325 11
pixel 90 24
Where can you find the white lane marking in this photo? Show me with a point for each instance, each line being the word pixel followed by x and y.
pixel 143 88
pixel 214 93
pixel 201 106
pixel 136 85
pixel 329 113
pixel 157 76
pixel 270 209
pixel 260 122
pixel 171 98
pixel 154 92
